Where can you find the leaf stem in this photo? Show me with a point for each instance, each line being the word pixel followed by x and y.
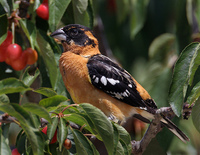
pixel 13 32
pixel 71 105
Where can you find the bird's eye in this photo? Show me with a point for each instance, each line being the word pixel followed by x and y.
pixel 74 32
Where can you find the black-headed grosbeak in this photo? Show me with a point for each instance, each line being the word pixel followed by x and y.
pixel 91 77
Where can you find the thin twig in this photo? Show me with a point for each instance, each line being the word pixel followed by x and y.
pixel 71 105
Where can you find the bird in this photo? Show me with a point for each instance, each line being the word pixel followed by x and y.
pixel 93 78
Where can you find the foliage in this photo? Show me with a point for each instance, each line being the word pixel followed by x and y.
pixel 130 30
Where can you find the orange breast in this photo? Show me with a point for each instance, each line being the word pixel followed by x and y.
pixel 75 76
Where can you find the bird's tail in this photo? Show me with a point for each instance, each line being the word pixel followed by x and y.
pixel 173 128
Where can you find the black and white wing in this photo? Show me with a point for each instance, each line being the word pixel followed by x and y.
pixel 115 81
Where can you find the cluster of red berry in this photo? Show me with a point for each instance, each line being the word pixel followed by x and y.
pixel 67 143
pixel 13 55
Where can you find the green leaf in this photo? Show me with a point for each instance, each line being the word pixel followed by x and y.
pixel 161 86
pixel 138 15
pixel 29 79
pixel 34 137
pixel 195 61
pixel 31 119
pixel 37 110
pixel 18 108
pixel 91 14
pixel 194 95
pixel 116 138
pixel 5 131
pixel 83 145
pixel 60 86
pixel 30 31
pixel 125 148
pixel 4 99
pixel 56 11
pixel 197 10
pixel 81 5
pixel 62 132
pixel 48 57
pixel 184 71
pixel 102 125
pixel 12 85
pixel 3 29
pixel 80 120
pixel 11 111
pixel 189 12
pixel 162 45
pixel 39 141
pixel 52 101
pixel 35 119
pixel 20 141
pixel 4 147
pixel 125 137
pixel 81 15
pixel 119 149
pixel 196 116
pixel 48 92
pixel 51 128
pixel 5 4
pixel 36 4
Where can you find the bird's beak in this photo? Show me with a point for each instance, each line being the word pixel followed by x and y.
pixel 59 34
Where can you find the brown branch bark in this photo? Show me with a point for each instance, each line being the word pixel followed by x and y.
pixel 138 147
pixel 5 118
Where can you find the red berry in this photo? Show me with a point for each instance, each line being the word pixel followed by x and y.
pixel 3 53
pixel 43 10
pixel 44 130
pixel 13 51
pixel 8 61
pixel 8 39
pixel 19 63
pixel 32 56
pixel 67 144
pixel 4 46
pixel 15 152
pixel 54 139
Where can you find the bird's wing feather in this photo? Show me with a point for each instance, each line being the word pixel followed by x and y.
pixel 115 81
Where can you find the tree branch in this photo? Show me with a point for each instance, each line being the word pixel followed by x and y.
pixel 5 118
pixel 138 147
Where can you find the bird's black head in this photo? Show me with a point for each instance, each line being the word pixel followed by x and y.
pixel 75 34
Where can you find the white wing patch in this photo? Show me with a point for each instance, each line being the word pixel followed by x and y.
pixel 143 108
pixel 128 92
pixel 120 95
pixel 104 80
pixel 112 81
pixel 130 85
pixel 96 80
